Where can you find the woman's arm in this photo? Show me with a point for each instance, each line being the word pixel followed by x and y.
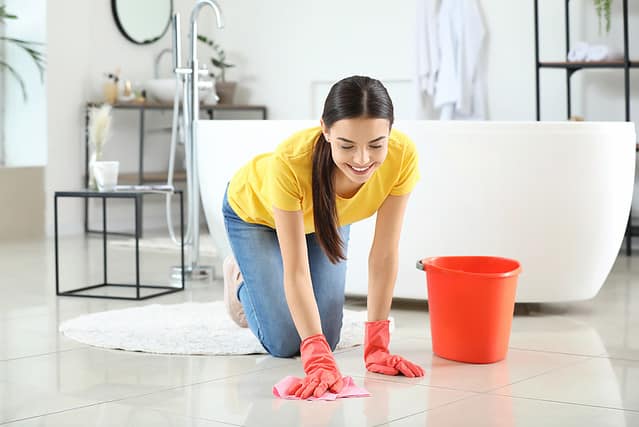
pixel 297 275
pixel 383 258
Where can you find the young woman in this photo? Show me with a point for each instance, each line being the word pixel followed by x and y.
pixel 287 215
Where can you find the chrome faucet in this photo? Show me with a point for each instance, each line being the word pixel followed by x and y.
pixel 195 269
pixel 199 5
pixel 189 76
pixel 156 62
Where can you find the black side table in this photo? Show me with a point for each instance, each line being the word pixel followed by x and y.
pixel 137 198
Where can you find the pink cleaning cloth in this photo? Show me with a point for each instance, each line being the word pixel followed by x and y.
pixel 349 390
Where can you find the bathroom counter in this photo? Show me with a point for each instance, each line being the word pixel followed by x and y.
pixel 152 105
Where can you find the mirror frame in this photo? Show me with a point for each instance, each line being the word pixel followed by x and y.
pixel 127 36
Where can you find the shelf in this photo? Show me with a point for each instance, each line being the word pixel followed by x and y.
pixel 150 177
pixel 153 105
pixel 590 64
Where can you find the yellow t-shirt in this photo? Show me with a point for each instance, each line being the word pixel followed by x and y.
pixel 282 178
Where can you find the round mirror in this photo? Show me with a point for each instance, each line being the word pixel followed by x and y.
pixel 142 21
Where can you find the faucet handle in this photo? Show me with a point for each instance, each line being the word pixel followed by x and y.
pixel 201 72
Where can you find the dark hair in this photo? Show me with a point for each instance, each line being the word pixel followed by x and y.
pixel 352 97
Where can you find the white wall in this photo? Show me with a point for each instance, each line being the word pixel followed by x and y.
pixel 288 53
pixel 25 131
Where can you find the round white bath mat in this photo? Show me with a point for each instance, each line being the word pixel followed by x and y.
pixel 187 328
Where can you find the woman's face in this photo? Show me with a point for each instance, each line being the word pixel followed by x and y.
pixel 359 146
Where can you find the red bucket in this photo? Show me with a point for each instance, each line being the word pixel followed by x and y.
pixel 471 300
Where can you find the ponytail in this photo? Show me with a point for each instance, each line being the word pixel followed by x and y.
pixel 324 209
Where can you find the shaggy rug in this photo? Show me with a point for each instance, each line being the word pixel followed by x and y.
pixel 187 328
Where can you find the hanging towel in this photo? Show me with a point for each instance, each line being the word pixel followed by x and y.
pixel 459 90
pixel 427 45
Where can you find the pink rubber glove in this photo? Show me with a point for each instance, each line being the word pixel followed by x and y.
pixel 377 357
pixel 321 370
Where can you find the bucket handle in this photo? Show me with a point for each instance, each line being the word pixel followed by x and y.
pixel 420 265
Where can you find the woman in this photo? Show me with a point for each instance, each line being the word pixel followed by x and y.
pixel 287 216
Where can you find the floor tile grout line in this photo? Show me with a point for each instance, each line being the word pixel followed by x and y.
pixel 473 395
pixel 625 359
pixel 563 402
pixel 406 338
pixel 440 387
pixel 489 391
pixel 45 354
pixel 162 390
pixel 390 379
pixel 553 352
pixel 106 403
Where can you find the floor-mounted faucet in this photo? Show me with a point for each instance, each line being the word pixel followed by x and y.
pixel 190 109
pixel 156 62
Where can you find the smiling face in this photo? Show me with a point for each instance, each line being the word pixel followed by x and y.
pixel 358 146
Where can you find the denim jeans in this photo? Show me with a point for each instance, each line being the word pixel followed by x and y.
pixel 257 252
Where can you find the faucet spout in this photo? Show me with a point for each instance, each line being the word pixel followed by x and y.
pixel 156 62
pixel 199 4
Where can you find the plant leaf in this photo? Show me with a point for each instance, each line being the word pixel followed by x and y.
pixel 4 14
pixel 28 46
pixel 17 77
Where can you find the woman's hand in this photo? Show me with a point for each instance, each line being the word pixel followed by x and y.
pixel 377 357
pixel 320 367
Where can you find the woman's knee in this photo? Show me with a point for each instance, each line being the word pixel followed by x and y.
pixel 283 347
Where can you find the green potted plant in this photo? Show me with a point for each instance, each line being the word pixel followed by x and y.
pixel 225 90
pixel 31 48
pixel 603 12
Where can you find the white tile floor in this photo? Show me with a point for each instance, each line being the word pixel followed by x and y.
pixel 570 364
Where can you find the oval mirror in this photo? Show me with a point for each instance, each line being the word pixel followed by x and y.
pixel 142 21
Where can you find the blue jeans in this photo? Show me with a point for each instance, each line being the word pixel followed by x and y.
pixel 257 252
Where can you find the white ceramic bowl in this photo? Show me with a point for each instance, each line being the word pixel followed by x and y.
pixel 163 90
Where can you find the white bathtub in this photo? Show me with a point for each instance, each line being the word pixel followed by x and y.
pixel 553 195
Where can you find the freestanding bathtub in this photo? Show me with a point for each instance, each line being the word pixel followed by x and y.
pixel 553 195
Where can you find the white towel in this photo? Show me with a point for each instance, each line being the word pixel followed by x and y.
pixel 427 45
pixel 459 91
pixel 597 52
pixel 579 52
pixel 600 52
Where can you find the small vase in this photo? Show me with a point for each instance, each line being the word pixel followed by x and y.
pixel 110 91
pixel 225 91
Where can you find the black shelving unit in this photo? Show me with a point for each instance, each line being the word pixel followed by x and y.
pixel 141 177
pixel 571 67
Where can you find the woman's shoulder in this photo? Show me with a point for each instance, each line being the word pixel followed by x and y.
pixel 400 143
pixel 400 138
pixel 299 145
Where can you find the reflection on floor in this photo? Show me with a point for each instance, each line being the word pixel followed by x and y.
pixel 569 364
